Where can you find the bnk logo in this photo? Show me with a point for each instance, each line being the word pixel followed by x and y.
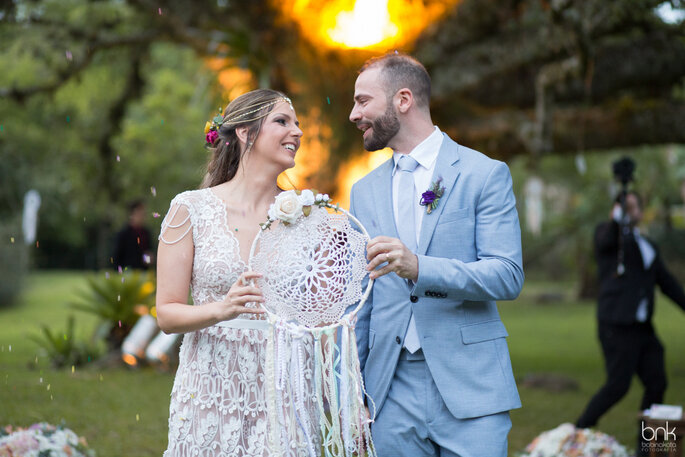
pixel 652 433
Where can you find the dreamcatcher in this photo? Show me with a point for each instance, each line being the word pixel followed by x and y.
pixel 313 263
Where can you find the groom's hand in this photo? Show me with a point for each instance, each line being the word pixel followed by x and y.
pixel 396 257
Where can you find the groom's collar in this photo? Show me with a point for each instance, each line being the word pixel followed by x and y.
pixel 425 153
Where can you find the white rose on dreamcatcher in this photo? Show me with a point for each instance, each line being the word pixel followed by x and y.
pixel 286 208
pixel 291 204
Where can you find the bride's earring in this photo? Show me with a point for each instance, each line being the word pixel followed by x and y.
pixel 249 147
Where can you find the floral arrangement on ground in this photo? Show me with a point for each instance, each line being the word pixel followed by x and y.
pixel 42 440
pixel 568 441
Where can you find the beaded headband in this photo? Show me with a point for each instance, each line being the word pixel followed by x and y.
pixel 212 127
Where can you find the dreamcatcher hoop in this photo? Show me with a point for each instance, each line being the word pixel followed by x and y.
pixel 349 316
pixel 313 264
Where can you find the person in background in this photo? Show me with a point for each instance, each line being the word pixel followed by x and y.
pixel 625 309
pixel 132 245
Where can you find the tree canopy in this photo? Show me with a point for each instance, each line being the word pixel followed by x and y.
pixel 104 101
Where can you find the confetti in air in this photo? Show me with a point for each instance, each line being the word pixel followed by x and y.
pixel 328 100
pixel 12 239
pixel 159 11
pixel 68 54
pixel 155 215
pixel 153 190
pixel 118 159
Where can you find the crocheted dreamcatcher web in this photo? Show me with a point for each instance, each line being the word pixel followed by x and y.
pixel 312 269
pixel 313 264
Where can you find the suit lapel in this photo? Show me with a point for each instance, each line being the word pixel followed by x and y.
pixel 382 196
pixel 445 168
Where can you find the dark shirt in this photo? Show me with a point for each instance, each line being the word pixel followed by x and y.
pixel 620 295
pixel 131 244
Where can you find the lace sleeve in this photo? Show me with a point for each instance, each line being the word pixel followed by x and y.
pixel 177 223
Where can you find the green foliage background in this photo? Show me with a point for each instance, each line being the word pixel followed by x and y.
pixel 49 144
pixel 579 193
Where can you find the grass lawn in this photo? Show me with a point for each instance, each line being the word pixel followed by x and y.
pixel 560 338
pixel 124 412
pixel 121 412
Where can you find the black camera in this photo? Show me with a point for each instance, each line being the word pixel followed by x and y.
pixel 623 170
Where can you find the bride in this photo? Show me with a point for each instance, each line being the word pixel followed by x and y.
pixel 218 402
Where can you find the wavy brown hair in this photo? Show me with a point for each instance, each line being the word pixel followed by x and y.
pixel 227 152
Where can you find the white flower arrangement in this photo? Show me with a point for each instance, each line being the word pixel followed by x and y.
pixel 568 441
pixel 42 440
pixel 290 205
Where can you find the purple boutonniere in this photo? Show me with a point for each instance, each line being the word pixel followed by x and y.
pixel 431 197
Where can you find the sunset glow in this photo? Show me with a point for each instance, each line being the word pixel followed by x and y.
pixel 356 169
pixel 233 79
pixel 368 24
pixel 377 25
pixel 364 24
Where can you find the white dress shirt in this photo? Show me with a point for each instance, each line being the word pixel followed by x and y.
pixel 426 154
pixel 648 255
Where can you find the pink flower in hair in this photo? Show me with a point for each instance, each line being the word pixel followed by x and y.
pixel 211 136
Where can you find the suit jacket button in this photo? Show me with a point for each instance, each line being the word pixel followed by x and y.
pixel 413 298
pixel 398 340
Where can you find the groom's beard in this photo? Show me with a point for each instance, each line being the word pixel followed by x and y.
pixel 384 127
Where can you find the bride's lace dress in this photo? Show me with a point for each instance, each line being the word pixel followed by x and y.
pixel 218 402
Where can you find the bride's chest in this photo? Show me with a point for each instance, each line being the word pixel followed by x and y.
pixel 216 262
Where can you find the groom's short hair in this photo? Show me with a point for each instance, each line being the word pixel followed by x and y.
pixel 399 71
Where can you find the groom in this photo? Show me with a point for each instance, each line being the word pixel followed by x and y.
pixel 431 344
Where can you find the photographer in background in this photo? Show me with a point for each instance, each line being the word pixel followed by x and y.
pixel 629 267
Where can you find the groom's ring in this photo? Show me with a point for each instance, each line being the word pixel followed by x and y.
pixel 387 257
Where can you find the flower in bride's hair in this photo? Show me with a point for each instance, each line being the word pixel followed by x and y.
pixel 211 136
pixel 208 126
pixel 286 208
pixel 307 197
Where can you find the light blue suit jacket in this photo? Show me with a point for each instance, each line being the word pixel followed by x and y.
pixel 469 256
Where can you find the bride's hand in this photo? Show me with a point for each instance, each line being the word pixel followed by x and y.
pixel 240 294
